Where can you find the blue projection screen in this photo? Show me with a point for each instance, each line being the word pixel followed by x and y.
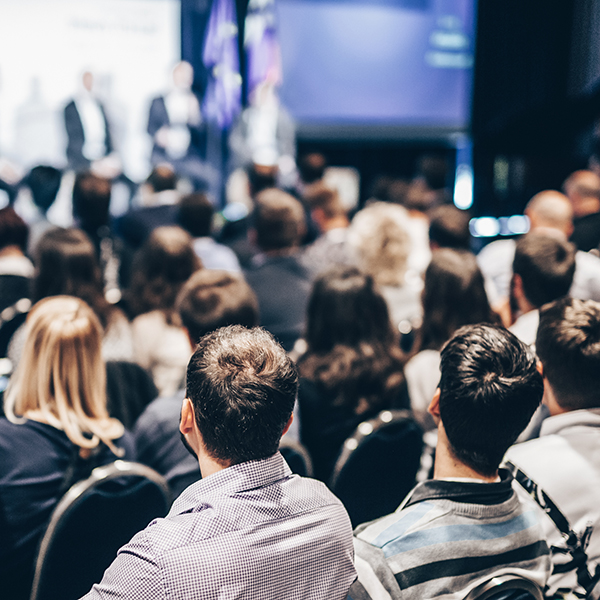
pixel 381 67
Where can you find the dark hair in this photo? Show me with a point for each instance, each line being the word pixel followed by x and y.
pixel 195 214
pixel 568 345
pixel 325 198
pixel 279 220
pixel 311 167
pixel 66 264
pixel 489 389
pixel 546 265
pixel 243 387
pixel 352 346
pixel 453 296
pixel 13 230
pixel 449 227
pixel 261 177
pixel 91 200
pixel 44 183
pixel 162 178
pixel 212 299
pixel 160 268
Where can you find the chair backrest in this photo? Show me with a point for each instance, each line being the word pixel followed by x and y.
pixel 508 586
pixel 378 465
pixel 296 456
pixel 91 522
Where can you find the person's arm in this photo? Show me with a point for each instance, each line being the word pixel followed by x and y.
pixel 135 573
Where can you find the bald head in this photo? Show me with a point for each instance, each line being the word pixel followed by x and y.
pixel 583 190
pixel 550 210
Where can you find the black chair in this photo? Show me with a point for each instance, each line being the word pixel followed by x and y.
pixel 508 586
pixel 296 456
pixel 91 522
pixel 378 465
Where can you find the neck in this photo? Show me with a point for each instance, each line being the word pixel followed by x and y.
pixel 338 222
pixel 13 250
pixel 209 465
pixel 448 466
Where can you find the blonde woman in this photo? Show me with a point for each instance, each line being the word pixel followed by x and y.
pixel 56 428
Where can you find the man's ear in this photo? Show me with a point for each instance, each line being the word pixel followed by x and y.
pixel 540 368
pixel 289 424
pixel 434 406
pixel 188 418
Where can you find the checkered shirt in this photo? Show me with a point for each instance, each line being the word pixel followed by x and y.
pixel 252 531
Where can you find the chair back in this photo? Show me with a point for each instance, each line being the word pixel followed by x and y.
pixel 296 456
pixel 91 522
pixel 378 465
pixel 508 586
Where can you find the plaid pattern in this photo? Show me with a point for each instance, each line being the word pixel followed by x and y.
pixel 252 531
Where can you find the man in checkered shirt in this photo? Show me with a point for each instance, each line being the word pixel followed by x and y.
pixel 249 529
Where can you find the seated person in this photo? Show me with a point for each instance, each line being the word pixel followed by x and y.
pixel 209 300
pixel 564 461
pixel 249 529
pixel 467 524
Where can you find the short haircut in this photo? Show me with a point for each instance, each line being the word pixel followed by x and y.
pixel 243 387
pixel 546 265
pixel 449 227
pixel 489 389
pixel 91 199
pixel 568 345
pixel 325 198
pixel 13 230
pixel 212 299
pixel 195 214
pixel 279 220
pixel 44 183
pixel 162 178
pixel 311 167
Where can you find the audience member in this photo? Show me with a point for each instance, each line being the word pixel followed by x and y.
pixel 583 190
pixel 449 228
pixel 467 524
pixel 209 300
pixel 160 269
pixel 195 215
pixel 277 276
pixel 250 527
pixel 56 431
pixel 453 296
pixel 548 212
pixel 379 236
pixel 543 270
pixel 352 368
pixel 564 461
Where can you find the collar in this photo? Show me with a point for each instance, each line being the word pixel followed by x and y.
pixel 468 492
pixel 574 418
pixel 230 481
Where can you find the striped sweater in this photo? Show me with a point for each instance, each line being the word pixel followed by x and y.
pixel 446 538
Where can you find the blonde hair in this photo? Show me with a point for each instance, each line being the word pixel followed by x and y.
pixel 61 377
pixel 379 235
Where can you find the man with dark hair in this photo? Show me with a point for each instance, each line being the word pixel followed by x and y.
pixel 196 213
pixel 250 529
pixel 564 461
pixel 583 190
pixel 454 532
pixel 277 275
pixel 543 270
pixel 209 300
pixel 449 228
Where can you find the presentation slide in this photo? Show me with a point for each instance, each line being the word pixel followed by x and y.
pixel 130 46
pixel 404 63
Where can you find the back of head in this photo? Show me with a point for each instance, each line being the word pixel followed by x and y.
pixel 379 235
pixel 550 209
pixel 243 387
pixel 311 167
pixel 13 230
pixel 279 220
pixel 91 200
pixel 568 345
pixel 66 264
pixel 161 267
pixel 195 214
pixel 546 265
pixel 453 296
pixel 261 177
pixel 583 190
pixel 449 227
pixel 162 178
pixel 61 376
pixel 326 199
pixel 44 183
pixel 212 299
pixel 489 389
